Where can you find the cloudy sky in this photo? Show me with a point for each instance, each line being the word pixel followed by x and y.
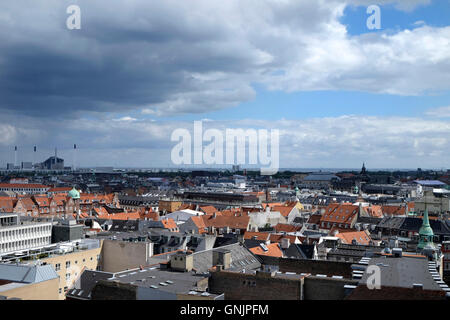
pixel 339 93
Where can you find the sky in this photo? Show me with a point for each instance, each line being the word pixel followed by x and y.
pixel 339 93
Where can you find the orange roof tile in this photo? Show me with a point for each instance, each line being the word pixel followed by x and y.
pixel 362 237
pixel 274 250
pixel 169 224
pixel 263 236
pixel 239 222
pixel 208 209
pixel 199 223
pixel 281 227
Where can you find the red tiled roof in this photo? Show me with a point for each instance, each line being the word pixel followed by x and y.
pixel 394 210
pixel 374 211
pixel 23 185
pixel 7 205
pixel 121 216
pixel 362 237
pixel 284 209
pixel 208 209
pixel 169 224
pixel 263 236
pixel 315 219
pixel 339 213
pixel 274 250
pixel 199 223
pixel 59 189
pixel 281 227
pixel 239 222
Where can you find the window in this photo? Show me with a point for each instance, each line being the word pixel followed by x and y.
pixel 60 290
pixel 67 264
pixel 57 266
pixel 67 276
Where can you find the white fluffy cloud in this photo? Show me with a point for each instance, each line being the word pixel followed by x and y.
pixel 442 112
pixel 345 141
pixel 175 57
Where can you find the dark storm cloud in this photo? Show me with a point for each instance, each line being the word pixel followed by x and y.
pixel 119 60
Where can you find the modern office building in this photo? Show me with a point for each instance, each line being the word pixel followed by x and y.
pixel 16 235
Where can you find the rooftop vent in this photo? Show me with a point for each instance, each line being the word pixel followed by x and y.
pixel 418 286
pixel 397 252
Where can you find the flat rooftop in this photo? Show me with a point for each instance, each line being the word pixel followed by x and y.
pixel 155 278
pixel 403 272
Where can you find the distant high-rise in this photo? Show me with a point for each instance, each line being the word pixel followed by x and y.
pixel 53 163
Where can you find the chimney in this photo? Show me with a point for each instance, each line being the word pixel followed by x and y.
pixel 285 243
pixel 222 258
pixel 34 155
pixel 74 157
pixel 15 156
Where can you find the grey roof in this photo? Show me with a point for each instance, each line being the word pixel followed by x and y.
pixel 27 273
pixel 180 216
pixel 430 182
pixel 241 258
pixel 403 272
pixel 391 222
pixel 86 282
pixel 300 251
pixel 321 177
pixel 152 277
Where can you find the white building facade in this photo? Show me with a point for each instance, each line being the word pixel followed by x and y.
pixel 15 236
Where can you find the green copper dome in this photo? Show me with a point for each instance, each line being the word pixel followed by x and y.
pixel 74 194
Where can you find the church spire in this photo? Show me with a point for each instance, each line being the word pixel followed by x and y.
pixel 363 170
pixel 426 233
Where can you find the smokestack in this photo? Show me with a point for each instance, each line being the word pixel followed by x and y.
pixel 74 157
pixel 15 156
pixel 34 155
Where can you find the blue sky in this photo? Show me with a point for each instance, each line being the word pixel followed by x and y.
pixel 278 104
pixel 339 93
pixel 434 14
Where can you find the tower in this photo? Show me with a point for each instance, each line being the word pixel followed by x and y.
pixel 75 195
pixel 426 234
pixel 426 245
pixel 363 170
